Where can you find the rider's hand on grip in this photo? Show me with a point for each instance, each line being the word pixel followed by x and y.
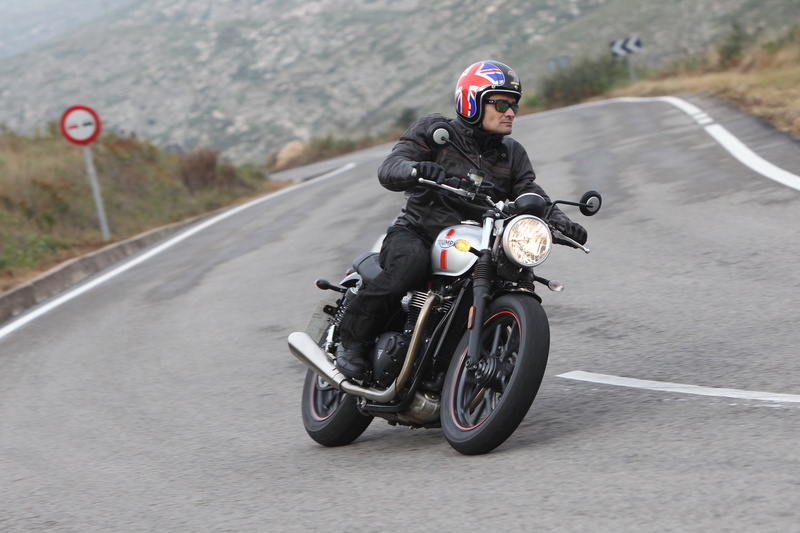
pixel 578 233
pixel 451 182
pixel 430 171
pixel 573 230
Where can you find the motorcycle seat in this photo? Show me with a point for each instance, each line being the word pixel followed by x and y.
pixel 368 266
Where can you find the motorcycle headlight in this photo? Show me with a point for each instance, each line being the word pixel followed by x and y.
pixel 527 241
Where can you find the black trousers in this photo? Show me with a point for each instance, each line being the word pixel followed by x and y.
pixel 406 263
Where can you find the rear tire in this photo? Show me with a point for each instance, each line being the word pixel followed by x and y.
pixel 482 405
pixel 330 417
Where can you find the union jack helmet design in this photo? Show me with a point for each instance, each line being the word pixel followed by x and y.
pixel 479 79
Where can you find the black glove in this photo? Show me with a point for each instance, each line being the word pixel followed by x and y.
pixel 430 171
pixel 573 230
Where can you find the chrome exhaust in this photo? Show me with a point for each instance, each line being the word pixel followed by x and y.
pixel 304 348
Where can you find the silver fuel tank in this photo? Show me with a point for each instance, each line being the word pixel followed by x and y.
pixel 448 261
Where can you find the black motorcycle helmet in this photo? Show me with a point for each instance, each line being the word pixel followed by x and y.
pixel 479 79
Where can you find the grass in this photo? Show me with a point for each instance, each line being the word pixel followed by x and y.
pixel 47 211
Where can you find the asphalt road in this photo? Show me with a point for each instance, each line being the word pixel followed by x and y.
pixel 165 399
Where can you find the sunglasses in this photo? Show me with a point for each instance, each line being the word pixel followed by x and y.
pixel 502 106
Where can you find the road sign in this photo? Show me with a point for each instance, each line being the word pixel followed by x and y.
pixel 623 47
pixel 80 124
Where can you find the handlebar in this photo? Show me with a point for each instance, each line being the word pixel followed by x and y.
pixel 458 191
pixel 480 196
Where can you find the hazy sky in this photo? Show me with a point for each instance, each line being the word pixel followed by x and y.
pixel 28 23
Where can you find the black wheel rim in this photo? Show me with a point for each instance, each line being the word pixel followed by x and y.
pixel 324 399
pixel 479 386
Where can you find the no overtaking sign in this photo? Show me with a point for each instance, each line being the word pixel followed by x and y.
pixel 81 125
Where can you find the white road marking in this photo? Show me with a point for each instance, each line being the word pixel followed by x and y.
pixel 664 386
pixel 746 156
pixel 66 297
pixel 725 138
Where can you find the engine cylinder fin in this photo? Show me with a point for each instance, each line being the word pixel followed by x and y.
pixel 413 303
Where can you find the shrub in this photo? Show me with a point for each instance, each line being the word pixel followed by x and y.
pixel 587 78
pixel 201 170
pixel 732 48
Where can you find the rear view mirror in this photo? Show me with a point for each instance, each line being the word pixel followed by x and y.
pixel 592 202
pixel 439 134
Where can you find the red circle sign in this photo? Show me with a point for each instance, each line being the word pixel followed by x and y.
pixel 80 124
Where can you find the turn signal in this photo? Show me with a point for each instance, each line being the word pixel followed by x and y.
pixel 463 245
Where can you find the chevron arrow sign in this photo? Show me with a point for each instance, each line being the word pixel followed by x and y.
pixel 623 47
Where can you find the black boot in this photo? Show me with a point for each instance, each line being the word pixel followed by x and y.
pixel 351 363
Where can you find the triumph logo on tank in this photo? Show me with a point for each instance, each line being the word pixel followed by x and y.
pixel 446 243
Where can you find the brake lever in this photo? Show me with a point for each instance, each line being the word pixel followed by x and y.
pixel 460 192
pixel 558 235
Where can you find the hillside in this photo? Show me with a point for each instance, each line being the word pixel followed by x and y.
pixel 250 75
pixel 34 22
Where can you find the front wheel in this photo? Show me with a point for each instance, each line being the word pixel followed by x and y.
pixel 330 417
pixel 487 395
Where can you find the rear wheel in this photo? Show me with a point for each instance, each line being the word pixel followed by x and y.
pixel 330 417
pixel 486 396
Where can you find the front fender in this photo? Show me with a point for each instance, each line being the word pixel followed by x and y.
pixel 524 292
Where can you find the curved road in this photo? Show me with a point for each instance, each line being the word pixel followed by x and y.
pixel 165 399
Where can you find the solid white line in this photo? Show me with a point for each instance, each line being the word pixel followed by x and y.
pixel 664 386
pixel 64 298
pixel 726 139
pixel 746 156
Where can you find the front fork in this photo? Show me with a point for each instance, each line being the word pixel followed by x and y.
pixel 482 284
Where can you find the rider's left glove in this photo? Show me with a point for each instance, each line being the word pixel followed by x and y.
pixel 573 230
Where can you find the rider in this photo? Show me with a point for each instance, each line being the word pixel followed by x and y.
pixel 487 98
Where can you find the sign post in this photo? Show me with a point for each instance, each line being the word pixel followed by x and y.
pixel 623 47
pixel 81 125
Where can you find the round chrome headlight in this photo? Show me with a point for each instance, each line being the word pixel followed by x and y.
pixel 527 241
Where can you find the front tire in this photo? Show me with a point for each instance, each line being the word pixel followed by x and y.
pixel 330 417
pixel 486 398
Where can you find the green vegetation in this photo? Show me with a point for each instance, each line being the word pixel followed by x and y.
pixel 47 212
pixel 585 79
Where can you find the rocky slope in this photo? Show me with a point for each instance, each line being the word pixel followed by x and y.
pixel 249 75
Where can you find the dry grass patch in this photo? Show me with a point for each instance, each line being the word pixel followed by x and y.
pixel 765 81
pixel 47 211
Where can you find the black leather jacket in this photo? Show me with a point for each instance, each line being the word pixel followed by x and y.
pixel 503 161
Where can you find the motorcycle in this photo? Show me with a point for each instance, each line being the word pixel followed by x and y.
pixel 468 351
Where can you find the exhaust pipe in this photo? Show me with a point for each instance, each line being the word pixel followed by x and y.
pixel 304 348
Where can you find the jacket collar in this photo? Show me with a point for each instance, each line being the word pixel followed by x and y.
pixel 486 142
